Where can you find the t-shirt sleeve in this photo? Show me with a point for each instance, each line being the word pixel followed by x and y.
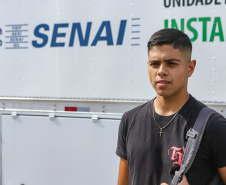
pixel 217 139
pixel 122 132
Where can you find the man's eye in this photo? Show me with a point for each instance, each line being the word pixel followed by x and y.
pixel 154 64
pixel 172 63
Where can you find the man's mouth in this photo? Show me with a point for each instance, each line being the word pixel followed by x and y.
pixel 162 83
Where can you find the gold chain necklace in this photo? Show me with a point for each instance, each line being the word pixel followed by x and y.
pixel 161 128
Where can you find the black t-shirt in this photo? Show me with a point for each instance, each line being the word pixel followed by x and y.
pixel 153 159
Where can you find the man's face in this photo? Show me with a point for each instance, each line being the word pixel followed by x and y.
pixel 169 69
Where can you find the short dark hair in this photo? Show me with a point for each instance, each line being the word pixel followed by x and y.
pixel 176 38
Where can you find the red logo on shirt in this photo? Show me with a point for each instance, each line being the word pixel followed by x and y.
pixel 176 154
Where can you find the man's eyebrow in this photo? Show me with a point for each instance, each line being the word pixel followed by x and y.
pixel 165 60
pixel 171 59
pixel 150 61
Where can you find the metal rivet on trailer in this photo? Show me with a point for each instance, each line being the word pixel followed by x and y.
pixel 214 70
pixel 54 107
pixel 51 115
pixel 95 117
pixel 213 93
pixel 131 4
pixel 14 115
pixel 214 45
pixel 103 108
pixel 214 58
pixel 213 80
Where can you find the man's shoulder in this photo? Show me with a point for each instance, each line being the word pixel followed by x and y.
pixel 214 118
pixel 196 102
pixel 191 109
pixel 139 110
pixel 216 121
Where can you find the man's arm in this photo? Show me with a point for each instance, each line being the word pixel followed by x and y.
pixel 222 172
pixel 123 176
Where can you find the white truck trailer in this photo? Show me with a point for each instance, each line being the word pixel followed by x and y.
pixel 69 69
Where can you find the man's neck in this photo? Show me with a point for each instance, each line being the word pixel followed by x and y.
pixel 166 106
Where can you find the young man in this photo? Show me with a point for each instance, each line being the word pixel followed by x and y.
pixel 151 140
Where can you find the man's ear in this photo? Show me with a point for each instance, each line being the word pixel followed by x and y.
pixel 191 67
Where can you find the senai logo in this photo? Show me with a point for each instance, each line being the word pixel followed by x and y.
pixel 104 33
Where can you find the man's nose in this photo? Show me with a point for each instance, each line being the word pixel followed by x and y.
pixel 162 70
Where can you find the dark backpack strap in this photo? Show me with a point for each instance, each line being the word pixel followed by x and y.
pixel 194 136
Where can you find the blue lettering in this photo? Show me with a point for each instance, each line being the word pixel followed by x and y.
pixel 40 35
pixel 16 28
pixel 0 43
pixel 104 33
pixel 82 41
pixel 108 37
pixel 56 34
pixel 16 45
pixel 0 31
pixel 16 39
pixel 121 32
pixel 16 33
